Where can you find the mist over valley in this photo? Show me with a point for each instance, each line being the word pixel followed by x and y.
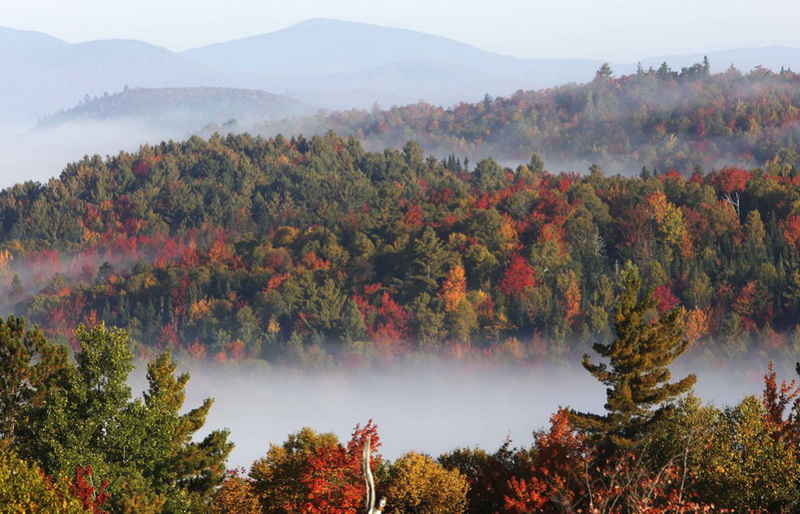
pixel 279 272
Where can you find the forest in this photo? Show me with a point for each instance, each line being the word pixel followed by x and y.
pixel 319 252
pixel 659 118
pixel 72 439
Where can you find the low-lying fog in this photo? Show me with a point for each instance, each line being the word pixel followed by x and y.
pixel 427 408
pixel 29 153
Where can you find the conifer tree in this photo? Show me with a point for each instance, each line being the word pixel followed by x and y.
pixel 428 263
pixel 29 366
pixel 637 374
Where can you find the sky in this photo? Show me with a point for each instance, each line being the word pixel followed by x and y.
pixel 614 30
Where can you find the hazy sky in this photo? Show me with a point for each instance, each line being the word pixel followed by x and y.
pixel 616 30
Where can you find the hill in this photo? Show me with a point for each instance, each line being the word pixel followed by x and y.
pixel 183 109
pixel 381 63
pixel 661 118
pixel 316 251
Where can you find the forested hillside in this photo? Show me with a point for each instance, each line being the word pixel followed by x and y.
pixel 184 109
pixel 314 250
pixel 659 118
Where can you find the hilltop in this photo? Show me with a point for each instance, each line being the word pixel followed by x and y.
pixel 183 109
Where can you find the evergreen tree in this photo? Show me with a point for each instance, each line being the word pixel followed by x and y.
pixel 428 264
pixel 353 328
pixel 637 375
pixel 29 366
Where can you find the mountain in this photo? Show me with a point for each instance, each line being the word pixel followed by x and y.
pixel 340 65
pixel 359 64
pixel 183 109
pixel 43 74
pixel 328 63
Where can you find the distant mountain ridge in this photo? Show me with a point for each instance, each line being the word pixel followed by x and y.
pixel 349 49
pixel 331 64
pixel 43 74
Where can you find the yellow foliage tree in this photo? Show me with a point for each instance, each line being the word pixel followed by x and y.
pixel 570 301
pixel 695 324
pixel 670 222
pixel 23 488
pixel 454 288
pixel 419 484
pixel 236 495
pixel 5 262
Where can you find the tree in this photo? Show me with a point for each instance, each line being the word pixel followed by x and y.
pixel 276 476
pixel 518 277
pixel 603 73
pixel 748 465
pixel 454 288
pixel 91 497
pixel 197 467
pixel 142 448
pixel 29 366
pixel 353 328
pixel 428 263
pixel 637 375
pixel 489 176
pixel 25 488
pixel 419 484
pixel 235 495
pixel 560 456
pixel 313 473
pixel 488 474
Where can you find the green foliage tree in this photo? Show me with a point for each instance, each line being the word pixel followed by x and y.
pixel 489 175
pixel 142 447
pixel 30 366
pixel 487 473
pixel 637 374
pixel 747 467
pixel 428 264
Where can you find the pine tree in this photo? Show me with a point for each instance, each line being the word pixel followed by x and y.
pixel 29 366
pixel 637 375
pixel 428 263
pixel 352 322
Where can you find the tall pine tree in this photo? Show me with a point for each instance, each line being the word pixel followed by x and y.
pixel 637 374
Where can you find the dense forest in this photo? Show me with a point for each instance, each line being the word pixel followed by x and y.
pixel 72 439
pixel 658 118
pixel 317 252
pixel 314 251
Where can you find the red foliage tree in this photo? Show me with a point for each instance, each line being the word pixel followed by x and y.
pixel 560 457
pixel 791 231
pixel 333 475
pixel 730 179
pixel 776 398
pixel 82 488
pixel 518 277
pixel 665 299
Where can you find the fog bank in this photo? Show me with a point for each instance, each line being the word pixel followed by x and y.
pixel 27 153
pixel 428 408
